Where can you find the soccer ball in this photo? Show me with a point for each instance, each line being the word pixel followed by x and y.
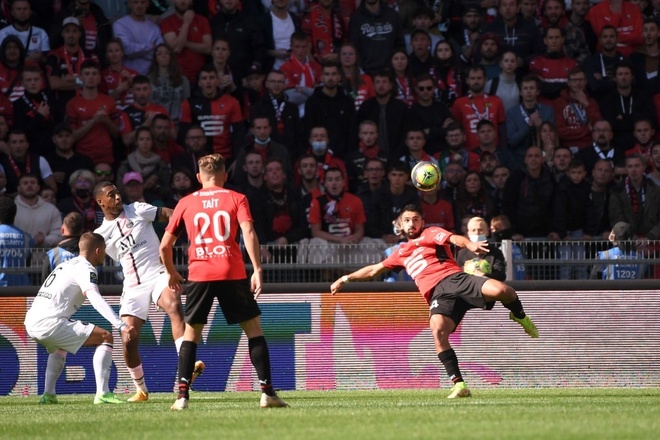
pixel 425 176
pixel 477 264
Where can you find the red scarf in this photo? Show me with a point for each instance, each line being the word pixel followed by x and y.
pixel 369 152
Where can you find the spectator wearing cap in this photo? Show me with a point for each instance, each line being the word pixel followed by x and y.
pixel 64 65
pixel 189 35
pixel 254 89
pixel 469 32
pixel 517 34
pixel 487 54
pixel 81 183
pixel 325 26
pixel 244 36
pixel 33 112
pixel 64 160
pixel 139 35
pixel 366 32
pixel 94 22
pixel 624 248
pixel 35 39
pixel 420 61
pixel 169 88
pixel 636 201
pixel 422 19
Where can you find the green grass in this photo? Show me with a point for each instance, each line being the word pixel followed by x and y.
pixel 567 413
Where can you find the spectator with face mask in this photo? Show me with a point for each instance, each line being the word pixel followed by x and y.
pixel 470 262
pixel 81 183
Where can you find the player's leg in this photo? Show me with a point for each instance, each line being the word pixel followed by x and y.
pixel 102 362
pixel 494 290
pixel 54 368
pixel 441 327
pixel 199 300
pixel 134 311
pixel 260 358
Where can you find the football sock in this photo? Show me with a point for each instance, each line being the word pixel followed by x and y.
pixel 516 308
pixel 102 362
pixel 54 368
pixel 187 357
pixel 178 343
pixel 261 361
pixel 450 361
pixel 137 374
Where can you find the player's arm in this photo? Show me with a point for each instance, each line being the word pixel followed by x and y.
pixel 164 215
pixel 365 273
pixel 166 251
pixel 480 247
pixel 101 306
pixel 252 247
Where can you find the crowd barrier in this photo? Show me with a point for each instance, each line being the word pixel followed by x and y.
pixel 375 336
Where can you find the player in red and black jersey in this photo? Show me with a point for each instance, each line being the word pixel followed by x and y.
pixel 427 258
pixel 212 217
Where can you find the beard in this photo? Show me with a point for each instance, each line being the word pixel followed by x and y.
pixel 411 235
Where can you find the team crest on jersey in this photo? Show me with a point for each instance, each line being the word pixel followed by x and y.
pixel 440 236
pixel 129 224
pixel 93 278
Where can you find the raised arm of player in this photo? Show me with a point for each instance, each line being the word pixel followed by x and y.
pixel 252 247
pixel 479 247
pixel 167 257
pixel 365 273
pixel 165 214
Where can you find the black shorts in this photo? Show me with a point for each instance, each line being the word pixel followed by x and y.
pixel 234 297
pixel 456 294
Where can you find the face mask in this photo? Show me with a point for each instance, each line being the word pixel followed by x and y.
pixel 504 234
pixel 82 193
pixel 260 142
pixel 476 238
pixel 318 147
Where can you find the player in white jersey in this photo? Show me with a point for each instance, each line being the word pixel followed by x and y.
pixel 131 240
pixel 49 319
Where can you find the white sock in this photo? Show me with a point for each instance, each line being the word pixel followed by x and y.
pixel 54 368
pixel 102 362
pixel 138 378
pixel 178 343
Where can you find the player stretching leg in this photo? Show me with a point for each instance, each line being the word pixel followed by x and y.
pixel 49 319
pixel 212 217
pixel 450 292
pixel 132 241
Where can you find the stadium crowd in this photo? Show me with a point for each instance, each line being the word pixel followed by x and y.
pixel 539 113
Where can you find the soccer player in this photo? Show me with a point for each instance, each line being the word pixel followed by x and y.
pixel 49 319
pixel 132 241
pixel 450 293
pixel 213 216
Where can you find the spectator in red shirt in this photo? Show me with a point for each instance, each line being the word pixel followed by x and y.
pixel 93 117
pixel 117 79
pixel 626 18
pixel 552 67
pixel 189 35
pixel 141 112
pixel 164 145
pixel 326 28
pixel 302 72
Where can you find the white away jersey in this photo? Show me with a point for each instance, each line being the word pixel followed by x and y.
pixel 131 240
pixel 62 294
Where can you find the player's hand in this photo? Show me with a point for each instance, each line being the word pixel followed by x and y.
pixel 479 247
pixel 174 281
pixel 129 331
pixel 336 286
pixel 255 284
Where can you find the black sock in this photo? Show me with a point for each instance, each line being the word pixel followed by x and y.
pixel 516 308
pixel 450 361
pixel 261 361
pixel 187 356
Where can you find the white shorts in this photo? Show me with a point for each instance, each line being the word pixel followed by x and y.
pixel 66 334
pixel 136 300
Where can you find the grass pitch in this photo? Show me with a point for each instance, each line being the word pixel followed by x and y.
pixel 566 413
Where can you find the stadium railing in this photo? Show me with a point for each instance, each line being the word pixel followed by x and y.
pixel 308 262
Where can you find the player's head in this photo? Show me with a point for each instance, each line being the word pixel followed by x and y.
pixel 411 221
pixel 73 225
pixel 7 211
pixel 212 170
pixel 108 198
pixel 92 247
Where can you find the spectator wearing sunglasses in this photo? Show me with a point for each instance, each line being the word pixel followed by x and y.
pixel 64 161
pixel 103 172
